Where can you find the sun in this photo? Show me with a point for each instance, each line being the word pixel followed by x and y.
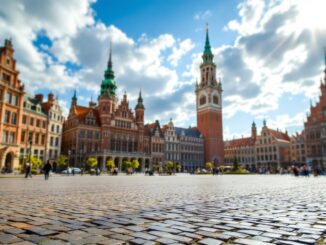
pixel 311 14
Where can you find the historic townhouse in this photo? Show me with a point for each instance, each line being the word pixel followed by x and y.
pixel 11 108
pixel 172 144
pixel 25 121
pixel 106 130
pixel 272 149
pixel 191 146
pixel 315 129
pixel 298 152
pixel 157 143
pixel 242 149
pixel 33 130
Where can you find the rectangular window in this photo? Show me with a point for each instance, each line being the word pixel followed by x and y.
pixel 5 77
pixel 51 141
pixel 4 136
pixel 11 137
pixel 24 119
pixel 31 121
pixel 82 134
pixel 15 100
pixel 52 128
pixel 89 134
pixel 37 138
pixel 57 141
pixel 22 136
pixel 44 124
pixel 8 97
pixel 58 129
pixel 43 139
pixel 38 123
pixel 35 152
pixel 14 118
pixel 7 116
pixel 30 137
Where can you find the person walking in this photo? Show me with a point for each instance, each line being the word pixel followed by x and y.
pixel 73 171
pixel 28 172
pixel 47 168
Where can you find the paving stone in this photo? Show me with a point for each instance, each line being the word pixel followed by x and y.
pixel 250 242
pixel 143 235
pixel 210 241
pixel 7 238
pixel 171 236
pixel 166 241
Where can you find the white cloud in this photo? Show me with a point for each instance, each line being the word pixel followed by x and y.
pixel 203 15
pixel 183 48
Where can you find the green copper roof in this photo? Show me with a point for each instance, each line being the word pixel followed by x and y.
pixel 207 55
pixel 140 104
pixel 108 85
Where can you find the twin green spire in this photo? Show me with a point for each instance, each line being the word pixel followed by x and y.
pixel 207 55
pixel 108 85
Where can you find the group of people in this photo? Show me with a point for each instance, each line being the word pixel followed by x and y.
pixel 46 170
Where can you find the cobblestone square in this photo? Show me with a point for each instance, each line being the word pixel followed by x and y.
pixel 180 209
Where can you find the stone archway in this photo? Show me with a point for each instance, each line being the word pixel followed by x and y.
pixel 8 163
pixel 117 163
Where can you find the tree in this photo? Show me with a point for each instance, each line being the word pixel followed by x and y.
pixel 110 164
pixel 62 161
pixel 91 162
pixel 35 162
pixel 178 167
pixel 169 166
pixel 127 165
pixel 209 166
pixel 235 166
pixel 135 164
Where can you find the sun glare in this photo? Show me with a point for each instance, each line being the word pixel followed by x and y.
pixel 311 14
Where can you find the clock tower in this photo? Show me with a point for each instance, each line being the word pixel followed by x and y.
pixel 209 107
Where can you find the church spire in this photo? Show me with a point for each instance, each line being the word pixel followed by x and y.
pixel 207 55
pixel 108 85
pixel 110 58
pixel 140 104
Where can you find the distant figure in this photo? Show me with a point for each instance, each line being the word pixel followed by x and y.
pixel 73 171
pixel 295 171
pixel 28 172
pixel 47 168
pixel 305 171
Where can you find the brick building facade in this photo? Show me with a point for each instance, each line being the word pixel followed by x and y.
pixel 106 130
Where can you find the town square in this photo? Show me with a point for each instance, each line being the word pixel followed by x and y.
pixel 162 122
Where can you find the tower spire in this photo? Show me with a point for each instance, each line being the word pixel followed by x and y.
pixel 207 43
pixel 110 57
pixel 140 104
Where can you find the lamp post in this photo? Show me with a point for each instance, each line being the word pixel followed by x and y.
pixel 69 153
pixel 30 148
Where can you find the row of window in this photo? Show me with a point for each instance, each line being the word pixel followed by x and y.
pixel 53 116
pixel 203 100
pixel 10 117
pixel 157 147
pixel 37 138
pixel 54 141
pixel 90 134
pixel 34 122
pixel 8 137
pixel 55 128
pixel 191 157
pixel 266 149
pixel 191 148
pixel 266 157
pixel 10 98
pixel 122 124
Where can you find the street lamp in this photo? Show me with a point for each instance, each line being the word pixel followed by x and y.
pixel 69 153
pixel 30 148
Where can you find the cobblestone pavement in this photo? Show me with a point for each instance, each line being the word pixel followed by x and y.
pixel 163 210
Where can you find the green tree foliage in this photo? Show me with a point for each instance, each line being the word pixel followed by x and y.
pixel 127 164
pixel 36 162
pixel 110 164
pixel 91 162
pixel 135 164
pixel 178 167
pixel 235 166
pixel 169 166
pixel 209 166
pixel 62 161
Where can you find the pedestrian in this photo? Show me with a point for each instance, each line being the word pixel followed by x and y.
pixel 47 168
pixel 73 171
pixel 296 171
pixel 28 172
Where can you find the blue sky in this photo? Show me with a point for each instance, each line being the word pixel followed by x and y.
pixel 269 54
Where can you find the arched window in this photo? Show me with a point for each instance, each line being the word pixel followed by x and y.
pixel 202 100
pixel 215 99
